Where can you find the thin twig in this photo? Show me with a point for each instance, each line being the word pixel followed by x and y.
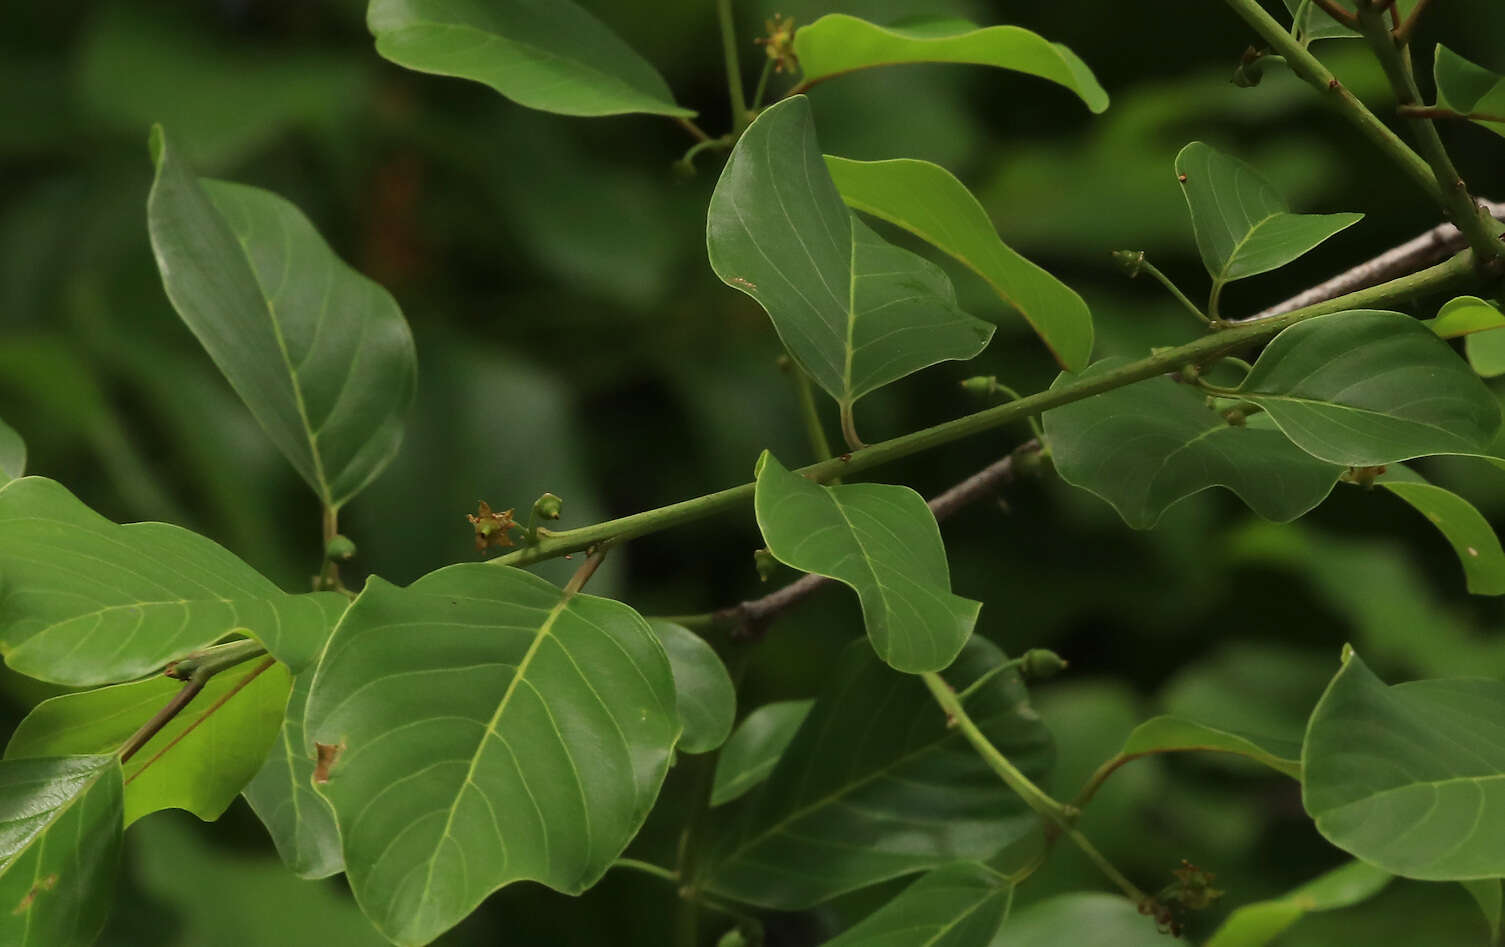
pixel 1436 244
pixel 239 686
pixel 1405 30
pixel 751 618
pixel 587 569
pixel 1347 17
pixel 159 720
pixel 196 670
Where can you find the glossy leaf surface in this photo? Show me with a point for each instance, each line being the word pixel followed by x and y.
pixel 1144 447
pixel 837 43
pixel 1470 89
pixel 704 693
pixel 552 56
pixel 929 202
pixel 960 905
pixel 321 355
pixel 1410 778
pixel 1464 527
pixel 883 542
pixel 1257 924
pixel 482 728
pixel 1368 388
pixel 1242 224
pixel 154 592
pixel 854 311
pixel 755 746
pixel 199 761
pixel 1464 316
pixel 875 786
pixel 60 849
pixel 1171 734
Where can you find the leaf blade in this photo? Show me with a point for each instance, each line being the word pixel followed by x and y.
pixel 704 694
pixel 1461 524
pixel 753 749
pixel 958 905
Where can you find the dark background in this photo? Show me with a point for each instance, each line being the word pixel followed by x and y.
pixel 572 338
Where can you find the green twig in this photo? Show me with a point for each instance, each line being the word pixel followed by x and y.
pixel 733 67
pixel 814 430
pixel 757 99
pixel 1433 111
pixel 1404 32
pixel 647 868
pixel 1450 275
pixel 195 670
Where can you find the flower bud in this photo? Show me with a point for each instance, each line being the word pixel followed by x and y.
pixel 765 563
pixel 547 507
pixel 980 385
pixel 1042 664
pixel 1129 261
pixel 339 549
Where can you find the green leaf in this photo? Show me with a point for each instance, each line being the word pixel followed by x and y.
pixel 1242 224
pixel 12 454
pixel 1464 527
pixel 1311 22
pixel 1469 89
pixel 854 311
pixel 755 746
pixel 1171 734
pixel 1486 353
pixel 1145 447
pixel 1367 388
pixel 704 693
pixel 486 728
pixel 1081 920
pixel 1464 316
pixel 151 593
pixel 1410 778
pixel 199 761
pixel 875 786
pixel 883 542
pixel 299 820
pixel 1486 892
pixel 60 852
pixel 929 202
pixel 958 905
pixel 837 43
pixel 1257 924
pixel 321 355
pixel 551 56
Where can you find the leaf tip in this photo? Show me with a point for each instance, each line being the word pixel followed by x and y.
pixel 156 142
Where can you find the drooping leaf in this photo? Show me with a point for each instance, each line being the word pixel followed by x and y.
pixel 1242 224
pixel 883 542
pixel 1169 734
pixel 1144 447
pixel 153 592
pixel 837 43
pixel 12 454
pixel 60 849
pixel 755 746
pixel 1469 89
pixel 1464 527
pixel 1257 924
pixel 1410 778
pixel 928 201
pixel 199 761
pixel 957 905
pixel 321 355
pixel 853 310
pixel 299 820
pixel 551 56
pixel 703 690
pixel 875 786
pixel 1081 920
pixel 481 727
pixel 1486 892
pixel 1367 388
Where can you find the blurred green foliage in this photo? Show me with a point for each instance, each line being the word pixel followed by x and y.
pixel 573 339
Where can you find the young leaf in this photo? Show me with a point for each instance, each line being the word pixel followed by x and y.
pixel 1469 89
pixel 282 795
pixel 854 311
pixel 321 355
pixel 153 592
pixel 837 43
pixel 1486 892
pixel 957 905
pixel 1081 920
pixel 1367 388
pixel 755 746
pixel 704 693
pixel 875 786
pixel 551 56
pixel 929 202
pixel 12 454
pixel 1257 924
pixel 881 540
pixel 1171 734
pixel 1464 316
pixel 60 851
pixel 199 761
pixel 1242 224
pixel 481 727
pixel 1145 447
pixel 1464 527
pixel 1410 778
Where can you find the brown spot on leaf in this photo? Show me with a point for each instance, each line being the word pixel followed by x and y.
pixel 43 884
pixel 329 754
